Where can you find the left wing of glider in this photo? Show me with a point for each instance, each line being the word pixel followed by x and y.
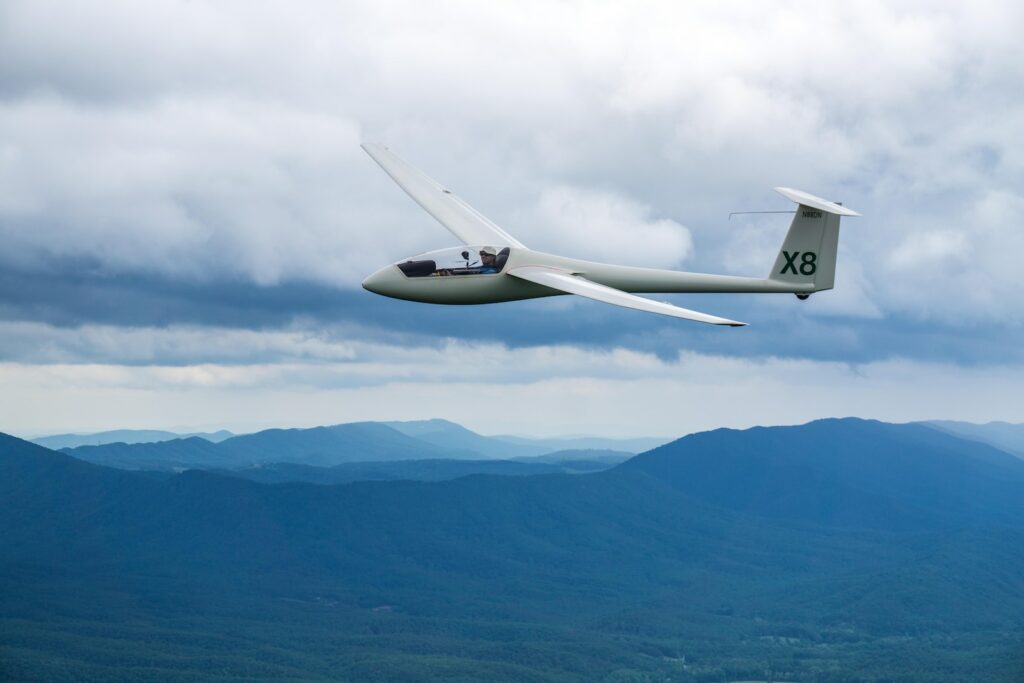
pixel 565 281
pixel 465 222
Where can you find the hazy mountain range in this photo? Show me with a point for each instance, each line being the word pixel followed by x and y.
pixel 841 550
pixel 129 436
pixel 1003 435
pixel 368 442
pixel 444 433
pixel 426 469
pixel 354 442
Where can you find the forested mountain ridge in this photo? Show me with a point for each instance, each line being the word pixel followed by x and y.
pixel 129 436
pixel 316 446
pixel 845 472
pixel 353 442
pixel 670 565
pixel 1005 436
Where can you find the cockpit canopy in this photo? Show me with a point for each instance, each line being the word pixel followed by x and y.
pixel 465 260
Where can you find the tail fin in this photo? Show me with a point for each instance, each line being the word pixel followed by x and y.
pixel 808 256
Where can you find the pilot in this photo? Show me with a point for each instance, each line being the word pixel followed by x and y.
pixel 488 258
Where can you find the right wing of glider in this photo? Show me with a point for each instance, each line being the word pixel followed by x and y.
pixel 574 284
pixel 465 222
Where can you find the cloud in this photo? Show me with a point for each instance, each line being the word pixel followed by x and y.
pixel 180 345
pixel 938 249
pixel 196 198
pixel 605 226
pixel 50 315
pixel 495 389
pixel 227 148
pixel 968 272
pixel 194 189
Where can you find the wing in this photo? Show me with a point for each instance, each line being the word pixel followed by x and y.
pixel 574 284
pixel 465 222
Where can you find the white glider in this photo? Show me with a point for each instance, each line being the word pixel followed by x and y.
pixel 498 267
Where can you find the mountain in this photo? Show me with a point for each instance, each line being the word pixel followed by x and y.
pixel 176 454
pixel 841 550
pixel 562 443
pixel 566 462
pixel 128 436
pixel 450 434
pixel 415 470
pixel 447 434
pixel 1003 435
pixel 317 447
pixel 327 446
pixel 875 475
pixel 597 455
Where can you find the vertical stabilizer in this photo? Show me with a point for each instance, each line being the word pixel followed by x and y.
pixel 808 255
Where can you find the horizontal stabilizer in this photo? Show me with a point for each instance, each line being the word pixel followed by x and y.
pixel 809 200
pixel 564 281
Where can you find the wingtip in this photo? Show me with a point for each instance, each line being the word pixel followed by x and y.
pixel 726 322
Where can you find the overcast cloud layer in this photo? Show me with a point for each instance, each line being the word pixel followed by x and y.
pixel 182 195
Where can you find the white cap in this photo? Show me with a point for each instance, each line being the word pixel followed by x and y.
pixel 489 250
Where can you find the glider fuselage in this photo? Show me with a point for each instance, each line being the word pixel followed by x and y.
pixel 461 285
pixel 501 268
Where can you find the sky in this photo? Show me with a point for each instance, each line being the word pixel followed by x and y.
pixel 186 214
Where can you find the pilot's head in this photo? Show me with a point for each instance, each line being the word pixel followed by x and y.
pixel 488 255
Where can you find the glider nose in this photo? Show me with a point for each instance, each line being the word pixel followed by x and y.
pixel 381 282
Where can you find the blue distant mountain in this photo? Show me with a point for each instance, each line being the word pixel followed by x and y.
pixel 579 460
pixel 564 443
pixel 563 462
pixel 1006 436
pixel 849 473
pixel 354 442
pixel 128 436
pixel 328 446
pixel 176 454
pixel 393 470
pixel 840 550
pixel 445 434
pixel 317 447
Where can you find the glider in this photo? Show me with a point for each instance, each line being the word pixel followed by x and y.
pixel 493 266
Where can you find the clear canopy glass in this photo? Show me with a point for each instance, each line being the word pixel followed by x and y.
pixel 456 261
